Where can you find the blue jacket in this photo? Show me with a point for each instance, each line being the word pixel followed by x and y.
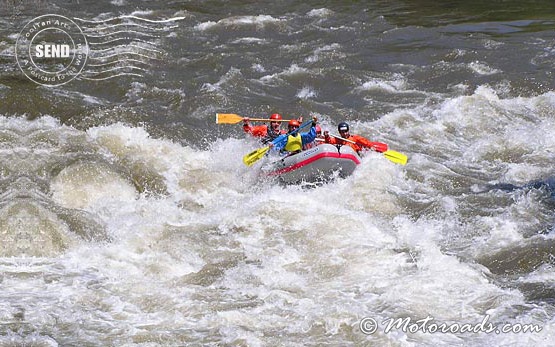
pixel 307 137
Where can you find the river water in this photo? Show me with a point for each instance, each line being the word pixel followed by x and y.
pixel 128 219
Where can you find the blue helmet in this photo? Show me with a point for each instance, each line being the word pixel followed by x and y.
pixel 343 126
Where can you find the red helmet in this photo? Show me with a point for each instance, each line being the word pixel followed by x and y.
pixel 318 129
pixel 294 123
pixel 276 116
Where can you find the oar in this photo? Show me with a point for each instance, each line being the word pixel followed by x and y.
pixel 394 156
pixel 257 154
pixel 232 118
pixel 376 146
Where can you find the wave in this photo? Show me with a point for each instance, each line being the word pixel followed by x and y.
pixel 160 21
pixel 121 47
pixel 122 74
pixel 119 39
pixel 122 32
pixel 122 53
pixel 119 61
pixel 258 21
pixel 109 27
pixel 199 221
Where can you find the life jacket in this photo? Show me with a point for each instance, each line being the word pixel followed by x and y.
pixel 335 141
pixel 354 146
pixel 294 143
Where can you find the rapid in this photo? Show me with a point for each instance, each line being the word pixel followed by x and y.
pixel 127 217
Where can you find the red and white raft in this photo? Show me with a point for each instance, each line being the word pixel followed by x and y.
pixel 319 163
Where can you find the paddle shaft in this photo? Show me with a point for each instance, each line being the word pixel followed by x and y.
pixel 232 118
pixel 359 144
pixel 268 120
pixel 393 156
pixel 257 154
pixel 283 137
pixel 344 139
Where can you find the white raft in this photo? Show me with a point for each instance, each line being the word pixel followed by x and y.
pixel 319 163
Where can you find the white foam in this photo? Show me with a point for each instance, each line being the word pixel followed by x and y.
pixel 391 86
pixel 259 22
pixel 306 93
pixel 82 185
pixel 332 49
pixel 482 68
pixel 320 12
pixel 292 70
pixel 249 40
pixel 220 248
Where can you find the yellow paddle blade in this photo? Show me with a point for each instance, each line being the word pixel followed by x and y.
pixel 255 155
pixel 228 118
pixel 396 157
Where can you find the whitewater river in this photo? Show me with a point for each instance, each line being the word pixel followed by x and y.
pixel 127 217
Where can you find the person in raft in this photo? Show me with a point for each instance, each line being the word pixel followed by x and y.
pixel 319 139
pixel 295 142
pixel 357 142
pixel 267 133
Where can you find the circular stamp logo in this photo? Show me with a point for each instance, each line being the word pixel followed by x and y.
pixel 51 50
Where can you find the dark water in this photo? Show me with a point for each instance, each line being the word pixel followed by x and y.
pixel 428 45
pixel 128 219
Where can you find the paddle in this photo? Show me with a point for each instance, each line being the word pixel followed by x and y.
pixel 257 154
pixel 231 118
pixel 394 156
pixel 376 146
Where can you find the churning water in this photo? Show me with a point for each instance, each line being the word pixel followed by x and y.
pixel 127 217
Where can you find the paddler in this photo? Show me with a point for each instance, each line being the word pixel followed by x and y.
pixel 319 139
pixel 295 142
pixel 357 142
pixel 268 133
